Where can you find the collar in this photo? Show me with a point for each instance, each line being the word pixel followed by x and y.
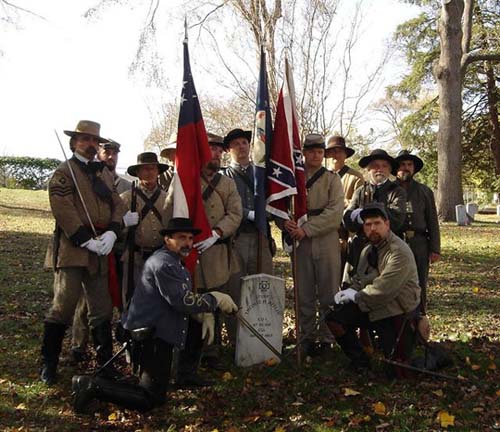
pixel 235 164
pixel 81 158
pixel 147 192
pixel 379 185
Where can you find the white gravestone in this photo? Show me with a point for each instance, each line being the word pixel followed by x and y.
pixel 472 209
pixel 461 215
pixel 262 305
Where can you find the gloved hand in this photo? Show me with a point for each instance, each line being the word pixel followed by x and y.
pixel 107 240
pixel 251 215
pixel 224 302
pixel 208 327
pixel 205 244
pixel 130 218
pixel 93 245
pixel 345 296
pixel 356 216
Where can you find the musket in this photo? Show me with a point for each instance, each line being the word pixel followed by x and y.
pixel 131 249
pixel 76 186
pixel 255 332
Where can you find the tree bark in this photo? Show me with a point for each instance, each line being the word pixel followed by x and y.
pixel 448 74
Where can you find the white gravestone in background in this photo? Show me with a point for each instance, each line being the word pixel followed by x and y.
pixel 461 215
pixel 262 305
pixel 472 209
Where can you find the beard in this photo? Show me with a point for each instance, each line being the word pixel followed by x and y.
pixel 405 176
pixel 374 238
pixel 110 164
pixel 378 178
pixel 214 165
pixel 90 153
pixel 185 251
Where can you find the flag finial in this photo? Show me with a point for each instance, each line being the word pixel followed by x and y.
pixel 185 29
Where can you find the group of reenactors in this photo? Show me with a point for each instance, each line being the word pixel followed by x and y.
pixel 362 260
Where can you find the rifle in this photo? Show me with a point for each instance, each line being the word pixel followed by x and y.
pixel 131 249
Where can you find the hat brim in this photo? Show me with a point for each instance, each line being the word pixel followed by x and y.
pixel 167 231
pixel 240 134
pixel 419 163
pixel 364 161
pixel 73 134
pixel 132 170
pixel 349 151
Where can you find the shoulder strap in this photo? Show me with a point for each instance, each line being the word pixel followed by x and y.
pixel 149 204
pixel 211 186
pixel 315 177
pixel 343 171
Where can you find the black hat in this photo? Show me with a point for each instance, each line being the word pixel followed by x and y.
pixel 406 155
pixel 378 154
pixel 313 140
pixel 374 209
pixel 179 224
pixel 338 141
pixel 146 158
pixel 214 139
pixel 237 133
pixel 111 144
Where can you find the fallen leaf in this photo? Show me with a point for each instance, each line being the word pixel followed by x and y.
pixel 475 290
pixel 475 367
pixel 113 416
pixel 445 419
pixel 477 409
pixel 268 414
pixel 271 361
pixel 382 426
pixel 226 376
pixel 438 392
pixel 280 429
pixel 379 408
pixel 350 392
pixel 492 366
pixel 498 393
pixel 21 406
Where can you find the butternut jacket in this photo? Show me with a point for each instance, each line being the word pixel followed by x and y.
pixel 72 225
pixel 351 180
pixel 392 288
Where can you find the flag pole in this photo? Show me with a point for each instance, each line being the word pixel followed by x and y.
pixel 295 289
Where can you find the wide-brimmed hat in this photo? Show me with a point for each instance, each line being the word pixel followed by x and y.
pixel 214 139
pixel 171 145
pixel 314 140
pixel 374 209
pixel 237 133
pixel 179 224
pixel 406 155
pixel 146 158
pixel 377 154
pixel 111 144
pixel 87 127
pixel 338 141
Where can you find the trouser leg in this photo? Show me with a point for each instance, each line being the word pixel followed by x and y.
pixel 80 328
pixel 189 357
pixel 420 249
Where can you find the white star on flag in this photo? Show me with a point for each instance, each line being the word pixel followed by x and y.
pixel 276 172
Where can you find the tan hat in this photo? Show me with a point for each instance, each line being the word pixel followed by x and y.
pixel 146 158
pixel 214 139
pixel 314 140
pixel 87 127
pixel 337 141
pixel 171 145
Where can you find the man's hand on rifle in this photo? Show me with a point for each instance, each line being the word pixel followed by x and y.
pixel 93 245
pixel 224 302
pixel 346 296
pixel 107 242
pixel 207 243
pixel 130 219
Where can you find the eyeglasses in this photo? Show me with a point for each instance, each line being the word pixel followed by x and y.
pixel 88 138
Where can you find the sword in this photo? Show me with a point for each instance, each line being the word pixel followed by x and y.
pixel 252 330
pixel 424 371
pixel 76 186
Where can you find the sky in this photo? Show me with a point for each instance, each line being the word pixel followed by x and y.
pixel 62 68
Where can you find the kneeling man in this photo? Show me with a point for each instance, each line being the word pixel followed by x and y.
pixel 384 294
pixel 162 305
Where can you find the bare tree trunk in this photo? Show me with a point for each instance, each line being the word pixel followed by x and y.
pixel 493 112
pixel 449 79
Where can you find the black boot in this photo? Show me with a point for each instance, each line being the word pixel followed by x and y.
pixel 88 388
pixel 352 349
pixel 53 336
pixel 103 343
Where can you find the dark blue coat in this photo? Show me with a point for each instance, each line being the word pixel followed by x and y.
pixel 163 299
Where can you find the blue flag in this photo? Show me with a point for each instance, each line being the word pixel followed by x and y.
pixel 262 134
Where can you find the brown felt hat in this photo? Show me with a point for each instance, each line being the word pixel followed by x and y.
pixel 87 127
pixel 314 140
pixel 146 158
pixel 378 154
pixel 214 139
pixel 338 141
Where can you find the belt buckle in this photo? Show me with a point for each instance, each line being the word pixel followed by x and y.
pixel 410 234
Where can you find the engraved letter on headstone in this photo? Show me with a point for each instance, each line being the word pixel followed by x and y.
pixel 262 305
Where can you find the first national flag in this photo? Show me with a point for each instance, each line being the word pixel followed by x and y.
pixel 192 154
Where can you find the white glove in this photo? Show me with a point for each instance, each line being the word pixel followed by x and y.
pixel 208 327
pixel 205 244
pixel 107 240
pixel 356 216
pixel 224 302
pixel 130 218
pixel 346 296
pixel 251 215
pixel 93 245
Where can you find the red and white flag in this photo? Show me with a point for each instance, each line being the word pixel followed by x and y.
pixel 192 154
pixel 286 175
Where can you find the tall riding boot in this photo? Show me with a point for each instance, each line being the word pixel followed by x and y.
pixel 87 388
pixel 351 347
pixel 103 343
pixel 53 335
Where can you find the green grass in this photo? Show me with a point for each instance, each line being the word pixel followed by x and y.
pixel 464 300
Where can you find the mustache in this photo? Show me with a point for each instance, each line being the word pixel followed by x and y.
pixel 185 250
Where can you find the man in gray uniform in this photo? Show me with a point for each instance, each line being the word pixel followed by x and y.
pixel 161 306
pixel 421 227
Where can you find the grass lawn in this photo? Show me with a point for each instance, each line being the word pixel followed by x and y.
pixel 324 395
